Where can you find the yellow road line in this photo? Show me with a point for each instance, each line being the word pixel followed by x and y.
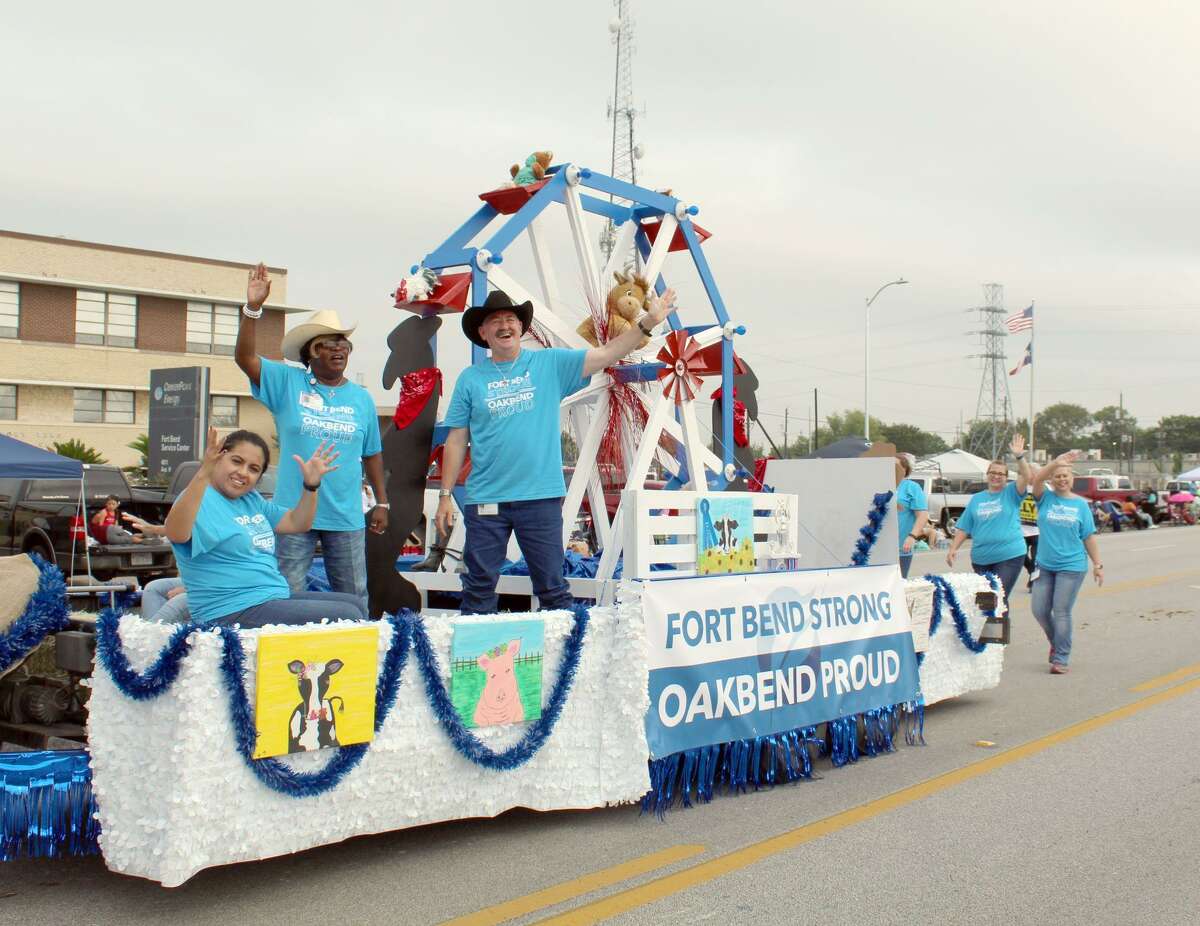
pixel 1175 676
pixel 608 907
pixel 569 890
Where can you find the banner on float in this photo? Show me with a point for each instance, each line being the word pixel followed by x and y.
pixel 741 656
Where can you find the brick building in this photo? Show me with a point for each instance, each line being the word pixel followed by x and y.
pixel 83 324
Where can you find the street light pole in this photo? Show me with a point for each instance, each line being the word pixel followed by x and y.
pixel 867 357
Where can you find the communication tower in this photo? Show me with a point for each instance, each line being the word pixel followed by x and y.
pixel 622 112
pixel 995 403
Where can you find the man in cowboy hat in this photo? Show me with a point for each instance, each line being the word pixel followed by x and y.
pixel 311 405
pixel 508 405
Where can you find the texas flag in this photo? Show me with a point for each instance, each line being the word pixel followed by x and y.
pixel 1026 361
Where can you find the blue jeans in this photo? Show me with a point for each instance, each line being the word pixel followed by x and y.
pixel 345 556
pixel 156 606
pixel 302 608
pixel 538 526
pixel 1054 595
pixel 1007 571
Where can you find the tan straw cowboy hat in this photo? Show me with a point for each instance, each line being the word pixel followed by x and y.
pixel 327 321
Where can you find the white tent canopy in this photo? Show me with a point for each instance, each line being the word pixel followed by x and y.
pixel 955 464
pixel 1191 475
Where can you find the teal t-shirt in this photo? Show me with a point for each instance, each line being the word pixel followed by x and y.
pixel 307 414
pixel 511 411
pixel 910 498
pixel 993 519
pixel 1063 525
pixel 229 562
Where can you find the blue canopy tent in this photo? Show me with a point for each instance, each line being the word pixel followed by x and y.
pixel 19 460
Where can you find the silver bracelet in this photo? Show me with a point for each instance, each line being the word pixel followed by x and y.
pixel 250 313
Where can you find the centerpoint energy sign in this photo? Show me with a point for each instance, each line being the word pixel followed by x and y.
pixel 751 655
pixel 178 417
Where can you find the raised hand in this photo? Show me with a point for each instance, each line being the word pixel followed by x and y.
pixel 1018 444
pixel 1069 457
pixel 212 453
pixel 659 307
pixel 258 287
pixel 320 463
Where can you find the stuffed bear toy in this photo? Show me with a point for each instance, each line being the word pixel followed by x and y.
pixel 625 303
pixel 534 169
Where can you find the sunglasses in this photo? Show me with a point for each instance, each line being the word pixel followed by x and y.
pixel 338 344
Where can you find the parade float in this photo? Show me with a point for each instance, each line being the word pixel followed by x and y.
pixel 723 639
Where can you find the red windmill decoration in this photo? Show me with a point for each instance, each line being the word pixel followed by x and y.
pixel 681 355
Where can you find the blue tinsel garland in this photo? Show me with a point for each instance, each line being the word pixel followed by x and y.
pixel 46 805
pixel 468 745
pixel 869 532
pixel 140 686
pixel 943 592
pixel 280 776
pixel 45 613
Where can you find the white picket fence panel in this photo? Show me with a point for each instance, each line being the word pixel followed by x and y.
pixel 659 528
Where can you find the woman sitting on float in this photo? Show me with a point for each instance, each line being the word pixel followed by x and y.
pixel 223 532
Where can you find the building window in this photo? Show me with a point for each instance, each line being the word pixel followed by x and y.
pixel 112 406
pixel 8 402
pixel 212 329
pixel 105 318
pixel 10 309
pixel 223 411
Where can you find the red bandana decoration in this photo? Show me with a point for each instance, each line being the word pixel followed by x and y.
pixel 741 420
pixel 680 354
pixel 415 389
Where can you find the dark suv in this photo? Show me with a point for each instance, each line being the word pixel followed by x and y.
pixel 43 516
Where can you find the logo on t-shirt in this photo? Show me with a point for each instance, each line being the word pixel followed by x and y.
pixel 510 395
pixel 988 509
pixel 258 528
pixel 1062 514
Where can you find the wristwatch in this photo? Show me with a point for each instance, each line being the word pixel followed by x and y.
pixel 648 332
pixel 444 493
pixel 386 505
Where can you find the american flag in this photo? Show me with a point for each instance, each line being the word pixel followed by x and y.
pixel 1021 321
pixel 1027 360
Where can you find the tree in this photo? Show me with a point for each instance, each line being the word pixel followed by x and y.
pixel 141 444
pixel 847 424
pixel 911 439
pixel 1180 433
pixel 570 451
pixel 1115 431
pixel 1062 427
pixel 77 450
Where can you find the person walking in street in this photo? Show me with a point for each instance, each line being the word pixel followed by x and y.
pixel 1029 528
pixel 992 519
pixel 508 405
pixel 315 404
pixel 912 511
pixel 1066 540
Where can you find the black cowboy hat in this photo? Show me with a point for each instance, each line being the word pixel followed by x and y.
pixel 497 301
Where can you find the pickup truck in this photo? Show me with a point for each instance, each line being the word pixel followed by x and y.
pixel 1105 487
pixel 947 498
pixel 185 471
pixel 43 516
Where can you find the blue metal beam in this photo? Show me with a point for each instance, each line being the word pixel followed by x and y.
pixel 620 188
pixel 479 288
pixel 462 236
pixel 706 277
pixel 660 286
pixel 619 214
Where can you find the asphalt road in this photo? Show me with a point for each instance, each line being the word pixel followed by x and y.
pixel 1086 810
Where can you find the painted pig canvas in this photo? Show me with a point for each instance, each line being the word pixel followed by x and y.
pixel 496 672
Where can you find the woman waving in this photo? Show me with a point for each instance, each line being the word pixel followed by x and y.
pixel 1066 539
pixel 223 532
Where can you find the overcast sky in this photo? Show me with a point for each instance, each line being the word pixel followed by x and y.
pixel 1052 148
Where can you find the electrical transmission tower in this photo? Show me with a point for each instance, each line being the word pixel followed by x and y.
pixel 622 112
pixel 995 403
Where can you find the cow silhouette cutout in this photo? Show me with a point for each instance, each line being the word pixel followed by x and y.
pixel 725 528
pixel 312 725
pixel 406 464
pixel 500 701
